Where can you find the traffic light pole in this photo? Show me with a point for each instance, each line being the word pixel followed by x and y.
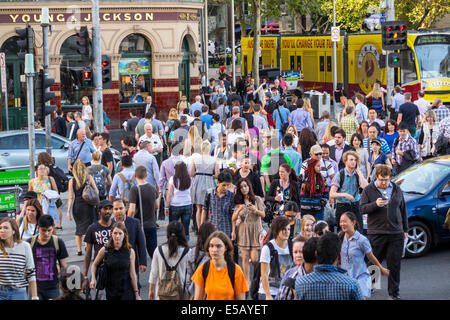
pixel 29 72
pixel 97 69
pixel 390 16
pixel 48 120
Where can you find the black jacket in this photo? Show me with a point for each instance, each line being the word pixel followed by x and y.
pixel 390 220
pixel 60 126
pixel 341 164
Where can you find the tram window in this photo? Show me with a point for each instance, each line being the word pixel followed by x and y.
pixel 328 63
pixel 299 63
pixel 322 64
pixel 408 68
pixel 292 62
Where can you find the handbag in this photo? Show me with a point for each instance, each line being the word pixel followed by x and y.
pixel 101 275
pixel 90 195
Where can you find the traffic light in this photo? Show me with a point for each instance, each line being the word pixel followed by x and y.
pixel 394 35
pixel 382 61
pixel 83 41
pixel 394 60
pixel 26 42
pixel 86 78
pixel 106 72
pixel 42 96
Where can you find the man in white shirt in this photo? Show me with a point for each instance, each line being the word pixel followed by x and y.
pixel 361 111
pixel 156 147
pixel 422 104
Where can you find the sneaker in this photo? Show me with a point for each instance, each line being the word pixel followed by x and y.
pixel 394 298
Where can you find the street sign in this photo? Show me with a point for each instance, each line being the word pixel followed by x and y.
pixel 3 71
pixel 335 34
pixel 14 177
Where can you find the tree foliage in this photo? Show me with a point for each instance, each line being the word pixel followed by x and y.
pixel 421 14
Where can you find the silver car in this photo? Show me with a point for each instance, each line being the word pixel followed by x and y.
pixel 14 148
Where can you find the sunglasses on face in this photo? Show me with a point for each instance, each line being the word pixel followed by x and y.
pixel 318 154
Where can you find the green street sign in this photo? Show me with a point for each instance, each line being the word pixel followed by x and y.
pixel 7 201
pixel 14 177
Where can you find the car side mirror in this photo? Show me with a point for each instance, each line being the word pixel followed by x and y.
pixel 65 146
pixel 445 192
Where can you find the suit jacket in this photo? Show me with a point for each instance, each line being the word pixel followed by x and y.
pixel 136 239
pixel 147 109
pixel 341 164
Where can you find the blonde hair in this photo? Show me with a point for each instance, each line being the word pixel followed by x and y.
pixel 295 129
pixel 80 173
pixel 307 104
pixel 351 153
pixel 376 92
pixel 206 147
pixel 306 217
pixel 87 98
pixel 96 156
pixel 173 114
pixel 327 135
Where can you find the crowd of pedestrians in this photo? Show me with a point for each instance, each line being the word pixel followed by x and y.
pixel 261 184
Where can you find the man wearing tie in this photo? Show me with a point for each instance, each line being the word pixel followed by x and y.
pixel 149 104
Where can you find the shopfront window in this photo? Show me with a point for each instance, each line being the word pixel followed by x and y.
pixel 135 69
pixel 73 86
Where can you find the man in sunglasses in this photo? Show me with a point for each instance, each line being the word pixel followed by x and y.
pixel 326 168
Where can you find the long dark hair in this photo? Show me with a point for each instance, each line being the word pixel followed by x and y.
pixel 306 140
pixel 239 197
pixel 204 232
pixel 229 249
pixel 181 178
pixel 359 137
pixel 293 182
pixel 125 244
pixel 176 237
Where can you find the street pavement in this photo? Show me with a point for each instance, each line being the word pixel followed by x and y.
pixel 423 278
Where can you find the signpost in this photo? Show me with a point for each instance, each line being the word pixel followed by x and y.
pixel 335 34
pixel 4 87
pixel 10 191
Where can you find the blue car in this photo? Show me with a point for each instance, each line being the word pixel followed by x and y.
pixel 426 188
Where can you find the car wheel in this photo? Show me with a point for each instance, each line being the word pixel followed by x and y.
pixel 419 239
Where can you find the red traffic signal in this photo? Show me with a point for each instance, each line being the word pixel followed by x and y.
pixel 394 35
pixel 87 75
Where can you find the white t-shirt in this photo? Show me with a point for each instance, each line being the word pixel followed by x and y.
pixel 85 112
pixel 29 233
pixel 285 261
pixel 180 198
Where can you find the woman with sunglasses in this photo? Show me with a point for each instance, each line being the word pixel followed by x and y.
pixel 355 247
pixel 314 191
pixel 248 212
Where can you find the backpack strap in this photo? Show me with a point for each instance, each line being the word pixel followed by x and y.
pixel 56 244
pixel 205 271
pixel 164 258
pixel 342 177
pixel 231 268
pixel 33 241
pixel 168 267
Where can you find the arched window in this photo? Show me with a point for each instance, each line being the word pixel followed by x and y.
pixel 73 85
pixel 135 69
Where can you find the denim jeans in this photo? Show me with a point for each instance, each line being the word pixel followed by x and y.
pixel 9 293
pixel 48 294
pixel 184 213
pixel 262 296
pixel 151 240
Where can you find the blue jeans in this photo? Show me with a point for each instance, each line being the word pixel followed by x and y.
pixel 262 296
pixel 184 213
pixel 151 240
pixel 48 294
pixel 8 293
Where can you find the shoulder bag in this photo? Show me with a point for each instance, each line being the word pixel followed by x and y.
pixel 90 195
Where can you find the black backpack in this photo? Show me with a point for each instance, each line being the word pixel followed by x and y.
pixel 100 182
pixel 342 178
pixel 274 269
pixel 62 182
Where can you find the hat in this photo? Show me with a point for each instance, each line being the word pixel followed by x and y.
pixel 105 203
pixel 30 195
pixel 315 149
pixel 376 141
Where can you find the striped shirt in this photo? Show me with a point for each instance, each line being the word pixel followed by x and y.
pixel 327 282
pixel 17 267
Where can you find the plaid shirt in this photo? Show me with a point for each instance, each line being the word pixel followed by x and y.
pixel 403 145
pixel 327 282
pixel 220 210
pixel 384 146
pixel 444 127
pixel 349 124
pixel 441 113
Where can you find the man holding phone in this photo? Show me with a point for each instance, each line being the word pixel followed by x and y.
pixel 387 223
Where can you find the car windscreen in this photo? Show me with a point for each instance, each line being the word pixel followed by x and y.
pixel 422 178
